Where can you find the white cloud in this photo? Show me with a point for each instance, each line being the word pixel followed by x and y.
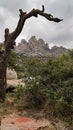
pixel 52 1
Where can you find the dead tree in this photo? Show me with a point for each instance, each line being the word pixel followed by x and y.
pixel 9 42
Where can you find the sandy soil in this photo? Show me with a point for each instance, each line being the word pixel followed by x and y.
pixel 28 119
pixel 14 122
pixel 12 119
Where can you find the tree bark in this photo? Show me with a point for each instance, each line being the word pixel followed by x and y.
pixel 9 42
pixel 3 66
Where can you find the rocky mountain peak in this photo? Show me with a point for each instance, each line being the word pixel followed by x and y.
pixel 33 39
pixel 38 47
pixel 41 42
pixel 58 50
pixel 33 43
pixel 23 41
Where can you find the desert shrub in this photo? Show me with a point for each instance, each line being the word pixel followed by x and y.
pixel 49 81
pixel 32 94
pixel 12 61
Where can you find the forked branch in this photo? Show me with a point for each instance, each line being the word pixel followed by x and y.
pixel 34 12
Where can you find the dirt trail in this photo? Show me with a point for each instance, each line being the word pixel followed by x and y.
pixel 15 122
pixel 28 119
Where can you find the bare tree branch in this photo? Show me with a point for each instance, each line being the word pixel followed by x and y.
pixel 34 12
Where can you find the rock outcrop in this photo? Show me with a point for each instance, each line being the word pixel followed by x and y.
pixel 11 74
pixel 12 81
pixel 58 50
pixel 38 47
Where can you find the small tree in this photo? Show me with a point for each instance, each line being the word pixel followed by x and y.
pixel 9 42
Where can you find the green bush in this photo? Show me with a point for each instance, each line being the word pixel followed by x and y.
pixel 48 81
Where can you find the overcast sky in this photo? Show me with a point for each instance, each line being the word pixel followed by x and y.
pixel 60 34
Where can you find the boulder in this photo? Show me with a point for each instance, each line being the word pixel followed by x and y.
pixel 11 74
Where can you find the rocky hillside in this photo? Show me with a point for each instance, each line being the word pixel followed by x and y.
pixel 38 47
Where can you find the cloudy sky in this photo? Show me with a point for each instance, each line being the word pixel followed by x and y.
pixel 60 34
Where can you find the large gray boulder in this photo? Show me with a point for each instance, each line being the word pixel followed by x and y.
pixel 12 81
pixel 11 74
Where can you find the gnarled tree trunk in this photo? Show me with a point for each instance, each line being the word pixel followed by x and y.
pixel 2 76
pixel 9 42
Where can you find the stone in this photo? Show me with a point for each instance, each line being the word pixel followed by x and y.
pixel 11 74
